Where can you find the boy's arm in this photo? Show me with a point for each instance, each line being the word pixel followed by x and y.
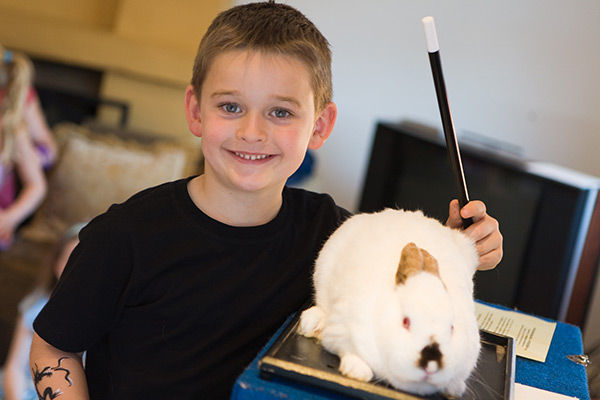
pixel 56 372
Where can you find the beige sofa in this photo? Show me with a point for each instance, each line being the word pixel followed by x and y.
pixel 96 167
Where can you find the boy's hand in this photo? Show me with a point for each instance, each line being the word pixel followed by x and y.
pixel 485 231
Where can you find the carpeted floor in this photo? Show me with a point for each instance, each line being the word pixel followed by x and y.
pixel 19 267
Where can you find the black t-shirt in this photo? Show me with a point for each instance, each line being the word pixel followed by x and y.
pixel 169 303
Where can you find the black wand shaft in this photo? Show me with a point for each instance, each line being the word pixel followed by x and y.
pixel 449 133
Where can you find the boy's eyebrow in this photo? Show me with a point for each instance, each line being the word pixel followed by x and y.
pixel 286 99
pixel 224 93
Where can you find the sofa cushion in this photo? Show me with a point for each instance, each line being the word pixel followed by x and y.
pixel 95 171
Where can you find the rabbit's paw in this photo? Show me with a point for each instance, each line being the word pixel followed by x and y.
pixel 353 366
pixel 455 390
pixel 312 322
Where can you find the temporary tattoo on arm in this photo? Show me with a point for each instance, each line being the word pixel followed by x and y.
pixel 39 376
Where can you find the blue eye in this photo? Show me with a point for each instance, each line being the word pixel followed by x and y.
pixel 231 108
pixel 280 113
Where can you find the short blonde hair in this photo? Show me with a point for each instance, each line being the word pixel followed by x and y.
pixel 270 28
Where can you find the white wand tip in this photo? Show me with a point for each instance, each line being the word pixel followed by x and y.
pixel 430 35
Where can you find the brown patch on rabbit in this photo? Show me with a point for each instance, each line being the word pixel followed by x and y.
pixel 430 264
pixel 431 358
pixel 413 260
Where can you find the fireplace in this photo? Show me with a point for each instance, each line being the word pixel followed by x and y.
pixel 70 93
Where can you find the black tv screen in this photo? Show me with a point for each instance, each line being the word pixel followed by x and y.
pixel 543 210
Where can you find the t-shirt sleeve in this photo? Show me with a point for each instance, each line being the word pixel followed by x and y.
pixel 92 290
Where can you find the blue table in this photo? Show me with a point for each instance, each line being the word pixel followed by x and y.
pixel 558 374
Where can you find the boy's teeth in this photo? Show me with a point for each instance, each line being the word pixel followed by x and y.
pixel 251 157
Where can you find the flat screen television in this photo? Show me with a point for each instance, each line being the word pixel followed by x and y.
pixel 548 215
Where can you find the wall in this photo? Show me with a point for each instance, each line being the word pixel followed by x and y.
pixel 146 48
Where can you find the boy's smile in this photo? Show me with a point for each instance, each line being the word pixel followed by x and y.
pixel 251 157
pixel 256 117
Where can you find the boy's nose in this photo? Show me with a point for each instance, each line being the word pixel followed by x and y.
pixel 253 129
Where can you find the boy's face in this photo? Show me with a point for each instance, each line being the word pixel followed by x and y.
pixel 256 116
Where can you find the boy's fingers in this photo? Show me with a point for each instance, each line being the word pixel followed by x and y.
pixel 490 252
pixel 473 209
pixel 454 221
pixel 485 231
pixel 488 241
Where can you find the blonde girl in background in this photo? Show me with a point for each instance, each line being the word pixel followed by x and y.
pixel 37 126
pixel 16 382
pixel 21 124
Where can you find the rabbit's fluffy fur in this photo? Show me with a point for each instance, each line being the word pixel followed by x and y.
pixel 384 309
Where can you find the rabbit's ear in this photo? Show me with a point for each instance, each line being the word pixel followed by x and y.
pixel 430 264
pixel 411 262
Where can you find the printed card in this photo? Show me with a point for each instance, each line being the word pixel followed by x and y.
pixel 532 335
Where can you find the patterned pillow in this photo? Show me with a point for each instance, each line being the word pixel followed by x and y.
pixel 95 171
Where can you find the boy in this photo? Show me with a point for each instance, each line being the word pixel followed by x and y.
pixel 173 292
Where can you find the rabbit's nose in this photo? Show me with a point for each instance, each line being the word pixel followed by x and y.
pixel 431 358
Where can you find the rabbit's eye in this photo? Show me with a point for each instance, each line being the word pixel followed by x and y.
pixel 452 328
pixel 406 323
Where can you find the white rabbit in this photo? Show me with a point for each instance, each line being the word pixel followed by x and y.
pixel 394 300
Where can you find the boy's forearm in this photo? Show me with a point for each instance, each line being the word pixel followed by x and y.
pixel 55 373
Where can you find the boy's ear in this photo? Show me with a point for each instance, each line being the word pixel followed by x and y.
pixel 192 111
pixel 323 126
